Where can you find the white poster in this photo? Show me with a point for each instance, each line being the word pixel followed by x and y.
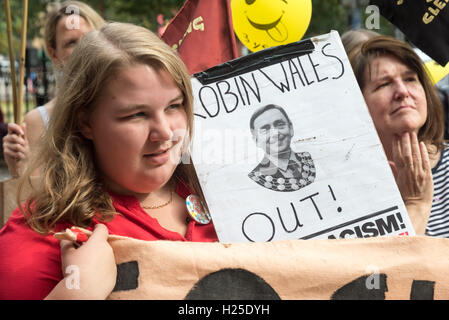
pixel 285 148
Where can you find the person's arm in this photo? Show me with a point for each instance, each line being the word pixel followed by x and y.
pixel 92 268
pixel 35 127
pixel 413 174
pixel 21 142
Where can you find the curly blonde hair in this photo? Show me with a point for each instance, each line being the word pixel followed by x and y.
pixel 71 189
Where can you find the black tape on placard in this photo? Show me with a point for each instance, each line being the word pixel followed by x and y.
pixel 255 61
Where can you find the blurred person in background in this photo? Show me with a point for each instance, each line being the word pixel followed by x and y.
pixel 353 38
pixel 65 25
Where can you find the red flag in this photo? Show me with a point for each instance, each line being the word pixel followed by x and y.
pixel 203 34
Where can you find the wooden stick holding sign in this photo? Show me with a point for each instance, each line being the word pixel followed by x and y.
pixel 18 111
pixel 17 95
pixel 11 56
pixel 8 187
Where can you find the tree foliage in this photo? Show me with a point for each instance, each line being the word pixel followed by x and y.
pixel 326 15
pixel 36 14
pixel 141 12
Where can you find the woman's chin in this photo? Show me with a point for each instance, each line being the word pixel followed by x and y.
pixel 154 182
pixel 407 126
pixel 142 181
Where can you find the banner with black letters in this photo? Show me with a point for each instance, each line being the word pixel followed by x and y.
pixel 380 268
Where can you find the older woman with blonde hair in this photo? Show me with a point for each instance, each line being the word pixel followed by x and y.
pixel 408 116
pixel 66 23
pixel 111 161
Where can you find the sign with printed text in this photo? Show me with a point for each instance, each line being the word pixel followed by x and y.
pixel 285 148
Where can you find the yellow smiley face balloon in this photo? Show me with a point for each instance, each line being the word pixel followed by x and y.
pixel 261 24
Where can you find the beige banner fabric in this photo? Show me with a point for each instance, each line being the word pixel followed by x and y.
pixel 373 268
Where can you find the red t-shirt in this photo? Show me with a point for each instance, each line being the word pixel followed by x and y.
pixel 30 264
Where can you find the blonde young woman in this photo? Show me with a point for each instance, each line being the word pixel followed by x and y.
pixel 111 162
pixel 65 25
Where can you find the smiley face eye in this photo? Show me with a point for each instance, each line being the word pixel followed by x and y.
pixel 250 2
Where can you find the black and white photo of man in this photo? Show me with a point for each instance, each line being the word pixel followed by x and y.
pixel 281 169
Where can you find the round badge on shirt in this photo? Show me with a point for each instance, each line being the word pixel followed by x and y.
pixel 196 209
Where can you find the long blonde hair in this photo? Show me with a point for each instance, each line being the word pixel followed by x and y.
pixel 71 189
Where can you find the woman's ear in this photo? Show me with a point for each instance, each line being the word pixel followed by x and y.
pixel 54 58
pixel 85 127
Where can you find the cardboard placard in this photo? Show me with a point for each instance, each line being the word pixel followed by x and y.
pixel 285 148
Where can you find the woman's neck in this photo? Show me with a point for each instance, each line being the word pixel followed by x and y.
pixel 157 197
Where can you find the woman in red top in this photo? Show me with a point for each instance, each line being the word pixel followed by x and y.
pixel 111 157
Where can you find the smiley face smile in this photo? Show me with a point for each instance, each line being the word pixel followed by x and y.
pixel 266 26
pixel 275 30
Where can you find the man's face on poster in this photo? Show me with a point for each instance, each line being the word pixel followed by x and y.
pixel 273 132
